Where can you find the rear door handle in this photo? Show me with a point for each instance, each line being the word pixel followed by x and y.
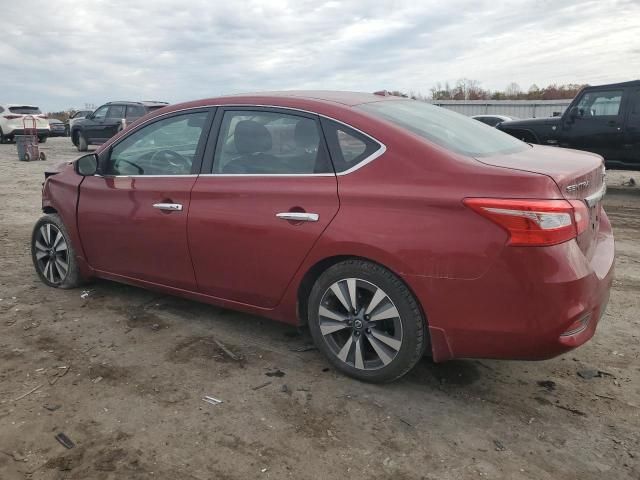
pixel 169 207
pixel 298 216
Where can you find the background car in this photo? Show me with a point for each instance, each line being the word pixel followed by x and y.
pixel 493 120
pixel 99 126
pixel 388 226
pixel 12 122
pixel 603 119
pixel 79 115
pixel 57 127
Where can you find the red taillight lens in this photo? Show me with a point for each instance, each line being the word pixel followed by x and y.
pixel 533 222
pixel 12 117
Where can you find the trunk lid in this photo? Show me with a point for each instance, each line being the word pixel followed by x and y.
pixel 578 175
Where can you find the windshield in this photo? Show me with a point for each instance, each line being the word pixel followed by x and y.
pixel 445 128
pixel 25 110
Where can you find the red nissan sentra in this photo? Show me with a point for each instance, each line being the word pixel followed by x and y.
pixel 389 226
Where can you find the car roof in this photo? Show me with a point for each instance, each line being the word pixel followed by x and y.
pixel 632 83
pixel 146 103
pixel 343 97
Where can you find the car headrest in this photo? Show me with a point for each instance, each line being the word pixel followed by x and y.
pixel 306 134
pixel 252 137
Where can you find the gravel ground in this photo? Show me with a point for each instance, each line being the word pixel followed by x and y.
pixel 122 372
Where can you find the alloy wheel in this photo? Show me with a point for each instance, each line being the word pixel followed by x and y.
pixel 360 324
pixel 52 253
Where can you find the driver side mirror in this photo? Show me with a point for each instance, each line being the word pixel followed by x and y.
pixel 573 114
pixel 87 165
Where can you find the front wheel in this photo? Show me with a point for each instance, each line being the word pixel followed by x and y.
pixel 82 143
pixel 52 253
pixel 365 320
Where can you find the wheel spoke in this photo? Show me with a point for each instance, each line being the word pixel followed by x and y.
pixel 351 287
pixel 48 272
pixel 375 300
pixel 55 270
pixel 344 352
pixel 359 358
pixel 389 312
pixel 41 255
pixel 328 327
pixel 325 312
pixel 62 246
pixel 44 231
pixel 380 350
pixel 58 238
pixel 60 263
pixel 41 247
pixel 390 341
pixel 337 291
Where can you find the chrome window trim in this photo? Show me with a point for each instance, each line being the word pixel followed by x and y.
pixel 379 152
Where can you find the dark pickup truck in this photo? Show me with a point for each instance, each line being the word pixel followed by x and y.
pixel 603 119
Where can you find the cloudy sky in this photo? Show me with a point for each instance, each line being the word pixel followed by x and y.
pixel 65 53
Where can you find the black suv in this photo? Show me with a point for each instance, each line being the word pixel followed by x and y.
pixel 603 119
pixel 99 126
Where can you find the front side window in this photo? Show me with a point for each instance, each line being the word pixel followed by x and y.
pixel 598 104
pixel 165 147
pixel 115 112
pixel 101 113
pixel 269 143
pixel 443 127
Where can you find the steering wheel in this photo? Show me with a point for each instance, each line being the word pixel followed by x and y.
pixel 172 162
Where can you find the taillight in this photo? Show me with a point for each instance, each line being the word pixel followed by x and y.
pixel 12 117
pixel 534 222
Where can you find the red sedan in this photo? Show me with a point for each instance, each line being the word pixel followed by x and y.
pixel 389 226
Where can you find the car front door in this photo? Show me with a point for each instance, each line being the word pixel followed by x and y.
pixel 632 131
pixel 270 194
pixel 112 123
pixel 132 217
pixel 92 125
pixel 597 123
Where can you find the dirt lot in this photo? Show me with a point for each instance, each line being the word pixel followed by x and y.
pixel 122 372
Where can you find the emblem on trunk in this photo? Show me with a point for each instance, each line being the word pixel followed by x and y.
pixel 577 186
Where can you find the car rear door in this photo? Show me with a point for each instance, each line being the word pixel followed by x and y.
pixel 598 126
pixel 269 194
pixel 132 219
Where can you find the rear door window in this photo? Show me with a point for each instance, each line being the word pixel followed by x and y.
pixel 134 112
pixel 269 143
pixel 347 146
pixel 116 112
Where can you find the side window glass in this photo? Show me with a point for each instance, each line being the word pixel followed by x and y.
pixel 269 143
pixel 134 112
pixel 347 146
pixel 115 112
pixel 598 104
pixel 165 147
pixel 635 103
pixel 101 113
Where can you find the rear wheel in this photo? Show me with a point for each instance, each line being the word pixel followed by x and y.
pixel 366 321
pixel 82 143
pixel 42 139
pixel 52 253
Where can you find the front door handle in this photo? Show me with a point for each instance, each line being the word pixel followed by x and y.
pixel 298 216
pixel 169 207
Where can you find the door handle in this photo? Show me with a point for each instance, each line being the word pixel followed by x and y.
pixel 298 216
pixel 169 207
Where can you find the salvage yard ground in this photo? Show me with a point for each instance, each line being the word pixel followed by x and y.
pixel 122 372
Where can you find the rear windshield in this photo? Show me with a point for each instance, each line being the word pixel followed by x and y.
pixel 25 110
pixel 443 127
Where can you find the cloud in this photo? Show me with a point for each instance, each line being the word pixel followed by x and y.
pixel 70 53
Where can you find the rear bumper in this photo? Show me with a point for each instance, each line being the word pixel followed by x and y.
pixel 524 306
pixel 42 132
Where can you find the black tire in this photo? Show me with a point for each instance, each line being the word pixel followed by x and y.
pixel 56 276
pixel 82 144
pixel 3 139
pixel 42 139
pixel 26 157
pixel 414 337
